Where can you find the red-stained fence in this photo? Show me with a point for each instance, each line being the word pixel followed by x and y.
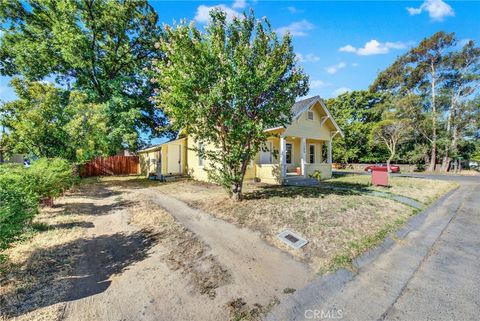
pixel 113 165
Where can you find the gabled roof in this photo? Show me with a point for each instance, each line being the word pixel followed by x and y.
pixel 303 105
pixel 158 146
pixel 300 106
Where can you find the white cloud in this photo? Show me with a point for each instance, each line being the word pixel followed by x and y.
pixel 239 4
pixel 298 28
pixel 340 91
pixel 348 48
pixel 437 10
pixel 335 68
pixel 354 64
pixel 307 58
pixel 293 9
pixel 203 12
pixel 374 47
pixel 317 84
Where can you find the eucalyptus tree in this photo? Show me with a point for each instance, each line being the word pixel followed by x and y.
pixel 224 86
pixel 421 71
pixel 461 84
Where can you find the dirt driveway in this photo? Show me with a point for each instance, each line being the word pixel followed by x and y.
pixel 151 257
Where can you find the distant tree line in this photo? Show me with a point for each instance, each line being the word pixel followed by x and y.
pixel 431 93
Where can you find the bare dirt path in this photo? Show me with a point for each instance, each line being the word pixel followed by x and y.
pixel 261 269
pixel 190 268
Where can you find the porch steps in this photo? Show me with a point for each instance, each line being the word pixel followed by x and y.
pixel 300 181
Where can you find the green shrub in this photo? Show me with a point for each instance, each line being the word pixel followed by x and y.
pixel 50 177
pixel 317 175
pixel 18 203
pixel 21 189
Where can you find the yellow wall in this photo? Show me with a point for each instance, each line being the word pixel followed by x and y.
pixel 302 127
pixel 198 172
pixel 325 169
pixel 312 130
pixel 268 173
pixel 148 161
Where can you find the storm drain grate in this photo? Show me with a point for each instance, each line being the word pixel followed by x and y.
pixel 292 239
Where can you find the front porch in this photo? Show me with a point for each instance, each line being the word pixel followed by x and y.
pixel 285 158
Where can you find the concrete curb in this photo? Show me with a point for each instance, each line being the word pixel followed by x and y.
pixel 333 284
pixel 412 224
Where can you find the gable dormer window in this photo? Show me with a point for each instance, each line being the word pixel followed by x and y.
pixel 310 115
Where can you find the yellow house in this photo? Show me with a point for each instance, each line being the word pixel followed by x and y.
pixel 298 150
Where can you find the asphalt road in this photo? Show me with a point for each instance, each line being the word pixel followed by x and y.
pixel 430 272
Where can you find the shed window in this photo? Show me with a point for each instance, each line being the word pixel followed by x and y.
pixel 310 115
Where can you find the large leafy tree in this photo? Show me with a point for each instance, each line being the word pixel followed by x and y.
pixel 356 113
pixel 102 48
pixel 47 121
pixel 225 86
pixel 35 121
pixel 462 112
pixel 421 71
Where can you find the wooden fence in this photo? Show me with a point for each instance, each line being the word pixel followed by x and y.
pixel 113 165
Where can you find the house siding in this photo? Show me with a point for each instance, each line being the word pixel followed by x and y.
pixel 313 131
pixel 302 127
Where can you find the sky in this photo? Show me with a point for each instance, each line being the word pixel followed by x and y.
pixel 342 45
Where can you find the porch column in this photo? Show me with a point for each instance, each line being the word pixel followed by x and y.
pixel 330 151
pixel 283 157
pixel 303 153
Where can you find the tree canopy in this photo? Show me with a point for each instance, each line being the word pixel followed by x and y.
pixel 225 86
pixel 101 48
pixel 356 113
pixel 47 121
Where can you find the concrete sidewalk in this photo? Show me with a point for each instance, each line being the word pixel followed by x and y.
pixel 431 272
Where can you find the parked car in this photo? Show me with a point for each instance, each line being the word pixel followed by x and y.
pixel 382 168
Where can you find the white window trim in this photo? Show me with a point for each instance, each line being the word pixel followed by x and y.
pixel 292 156
pixel 313 115
pixel 309 152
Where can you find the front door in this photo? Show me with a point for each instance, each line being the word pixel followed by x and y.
pixel 266 153
pixel 174 159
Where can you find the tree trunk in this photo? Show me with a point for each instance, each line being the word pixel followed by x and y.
pixel 446 162
pixel 236 188
pixel 237 192
pixel 433 155
pixel 388 165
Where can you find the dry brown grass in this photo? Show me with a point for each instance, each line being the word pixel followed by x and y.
pixel 423 190
pixel 38 261
pixel 330 220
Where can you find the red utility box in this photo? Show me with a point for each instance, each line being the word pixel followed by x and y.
pixel 379 178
